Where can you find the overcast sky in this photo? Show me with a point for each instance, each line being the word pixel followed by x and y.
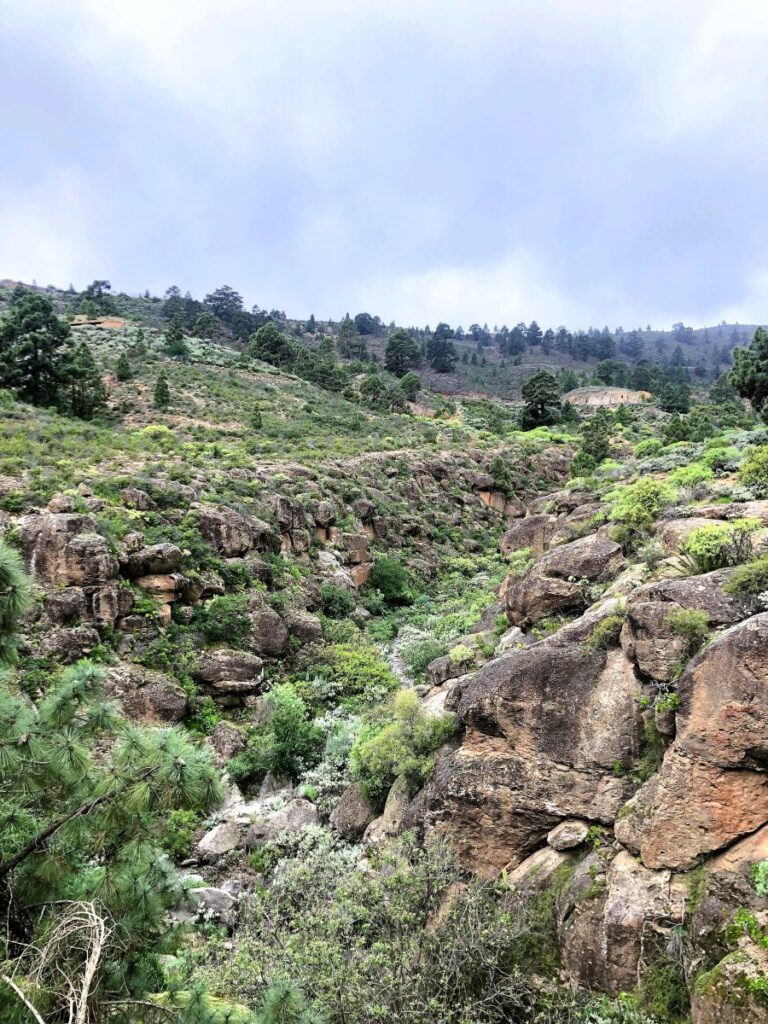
pixel 577 161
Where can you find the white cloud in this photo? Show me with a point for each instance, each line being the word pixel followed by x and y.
pixel 47 234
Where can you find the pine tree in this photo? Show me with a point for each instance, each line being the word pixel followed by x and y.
pixel 123 369
pixel 86 394
pixel 35 349
pixel 162 393
pixel 749 375
pixel 84 801
pixel 542 400
pixel 401 353
pixel 175 345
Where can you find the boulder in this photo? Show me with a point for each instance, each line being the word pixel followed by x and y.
pixel 132 497
pixel 295 816
pixel 533 532
pixel 352 814
pixel 613 921
pixel 304 625
pixel 393 818
pixel 146 695
pixel 222 839
pixel 68 645
pixel 267 633
pixel 233 534
pixel 227 740
pixel 63 549
pixel 712 787
pixel 568 834
pixel 545 727
pixel 673 533
pixel 223 665
pixel 156 560
pixel 555 582
pixel 214 904
pixel 734 991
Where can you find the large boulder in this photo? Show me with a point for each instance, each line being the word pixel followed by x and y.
pixel 556 582
pixel 533 532
pixel 295 816
pixel 352 814
pixel 156 560
pixel 712 786
pixel 233 534
pixel 545 728
pixel 649 637
pixel 64 549
pixel 612 917
pixel 267 633
pixel 227 671
pixel 146 695
pixel 734 991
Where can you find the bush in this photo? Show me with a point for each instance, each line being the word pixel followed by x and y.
pixel 338 603
pixel 639 504
pixel 721 544
pixel 286 746
pixel 401 749
pixel 690 624
pixel 389 577
pixel 691 476
pixel 357 672
pixel 648 448
pixel 749 579
pixel 224 618
pixel 753 472
pixel 419 655
pixel 606 633
pixel 178 832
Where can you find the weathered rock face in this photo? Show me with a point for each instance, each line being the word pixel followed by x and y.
pixel 554 583
pixel 156 560
pixel 267 633
pixel 733 993
pixel 611 918
pixel 712 787
pixel 533 532
pixel 295 816
pixel 64 549
pixel 227 671
pixel 233 534
pixel 545 728
pixel 649 637
pixel 146 695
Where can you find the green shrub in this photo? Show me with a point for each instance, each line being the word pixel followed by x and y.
pixel 286 746
pixel 759 876
pixel 690 624
pixel 690 476
pixel 389 578
pixel 224 618
pixel 357 672
pixel 606 633
pixel 178 831
pixel 721 544
pixel 639 504
pixel 400 749
pixel 417 656
pixel 749 579
pixel 338 603
pixel 753 472
pixel 648 448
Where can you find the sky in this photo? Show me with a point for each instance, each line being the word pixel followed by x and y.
pixel 580 162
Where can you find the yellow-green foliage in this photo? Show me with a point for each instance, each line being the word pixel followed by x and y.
pixel 401 749
pixel 721 544
pixel 640 503
pixel 753 472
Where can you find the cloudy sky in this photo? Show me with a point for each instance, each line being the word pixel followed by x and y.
pixel 577 161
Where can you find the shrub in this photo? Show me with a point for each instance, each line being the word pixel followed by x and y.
pixel 389 577
pixel 751 579
pixel 286 746
pixel 651 446
pixel 357 672
pixel 759 875
pixel 606 633
pixel 691 476
pixel 401 749
pixel 224 618
pixel 178 832
pixel 419 655
pixel 338 603
pixel 640 503
pixel 753 472
pixel 721 544
pixel 690 624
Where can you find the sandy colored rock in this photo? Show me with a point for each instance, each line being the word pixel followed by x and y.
pixel 532 532
pixel 711 787
pixel 352 814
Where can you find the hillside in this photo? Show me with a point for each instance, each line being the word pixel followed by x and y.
pixel 332 706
